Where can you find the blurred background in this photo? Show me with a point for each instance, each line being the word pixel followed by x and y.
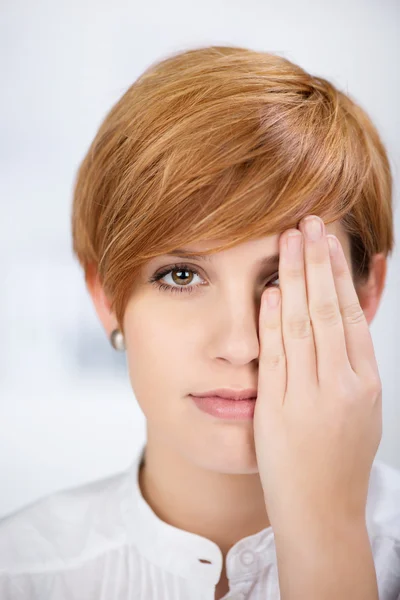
pixel 67 410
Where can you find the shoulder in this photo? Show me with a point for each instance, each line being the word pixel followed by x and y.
pixel 65 526
pixel 383 502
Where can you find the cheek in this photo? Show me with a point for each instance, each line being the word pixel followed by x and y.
pixel 158 355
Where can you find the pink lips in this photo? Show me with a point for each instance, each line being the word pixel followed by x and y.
pixel 229 394
pixel 226 408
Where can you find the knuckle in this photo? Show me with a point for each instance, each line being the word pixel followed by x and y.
pixel 273 361
pixel 299 327
pixel 318 260
pixel 343 389
pixel 341 272
pixel 353 313
pixel 327 312
pixel 374 385
pixel 294 272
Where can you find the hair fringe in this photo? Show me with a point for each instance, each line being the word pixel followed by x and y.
pixel 229 144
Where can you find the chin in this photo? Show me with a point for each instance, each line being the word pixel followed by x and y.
pixel 234 458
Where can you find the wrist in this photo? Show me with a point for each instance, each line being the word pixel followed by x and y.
pixel 329 562
pixel 320 531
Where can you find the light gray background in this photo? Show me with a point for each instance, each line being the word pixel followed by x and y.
pixel 67 411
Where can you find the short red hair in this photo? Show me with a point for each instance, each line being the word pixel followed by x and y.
pixel 226 143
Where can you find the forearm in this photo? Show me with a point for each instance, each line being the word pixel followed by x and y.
pixel 326 563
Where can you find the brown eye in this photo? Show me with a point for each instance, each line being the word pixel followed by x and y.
pixel 182 276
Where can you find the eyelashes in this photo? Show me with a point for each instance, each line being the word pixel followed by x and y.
pixel 186 289
pixel 155 279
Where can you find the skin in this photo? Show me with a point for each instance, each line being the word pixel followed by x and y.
pixel 182 343
pixel 318 424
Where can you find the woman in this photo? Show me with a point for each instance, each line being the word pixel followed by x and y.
pixel 182 211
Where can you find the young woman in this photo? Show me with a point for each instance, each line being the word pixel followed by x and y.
pixel 220 180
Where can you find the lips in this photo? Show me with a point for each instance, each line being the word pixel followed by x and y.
pixel 229 394
pixel 225 408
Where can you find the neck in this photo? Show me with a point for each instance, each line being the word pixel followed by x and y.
pixel 222 507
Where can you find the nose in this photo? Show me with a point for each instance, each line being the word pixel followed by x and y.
pixel 236 337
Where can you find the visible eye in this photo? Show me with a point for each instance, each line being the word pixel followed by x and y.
pixel 183 272
pixel 276 278
pixel 183 275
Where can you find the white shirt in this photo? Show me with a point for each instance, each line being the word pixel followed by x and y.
pixel 102 541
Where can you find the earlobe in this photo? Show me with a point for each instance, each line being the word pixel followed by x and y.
pixel 117 340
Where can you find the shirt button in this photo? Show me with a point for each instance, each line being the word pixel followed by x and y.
pixel 247 557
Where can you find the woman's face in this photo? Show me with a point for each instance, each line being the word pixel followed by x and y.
pixel 199 334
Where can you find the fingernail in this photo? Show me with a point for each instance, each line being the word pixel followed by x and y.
pixel 313 228
pixel 333 245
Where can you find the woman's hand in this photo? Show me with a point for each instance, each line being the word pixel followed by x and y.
pixel 318 415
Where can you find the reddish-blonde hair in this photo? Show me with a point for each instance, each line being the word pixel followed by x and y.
pixel 226 143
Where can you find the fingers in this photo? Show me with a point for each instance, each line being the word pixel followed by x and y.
pixel 272 361
pixel 319 329
pixel 297 330
pixel 323 303
pixel 359 344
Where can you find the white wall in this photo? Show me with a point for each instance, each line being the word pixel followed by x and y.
pixel 67 412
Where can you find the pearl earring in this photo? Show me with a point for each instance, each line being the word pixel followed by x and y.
pixel 117 340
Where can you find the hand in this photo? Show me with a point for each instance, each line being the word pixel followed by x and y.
pixel 318 414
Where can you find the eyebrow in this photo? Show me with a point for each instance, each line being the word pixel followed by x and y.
pixel 265 261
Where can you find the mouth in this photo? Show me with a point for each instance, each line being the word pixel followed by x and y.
pixel 229 394
pixel 226 408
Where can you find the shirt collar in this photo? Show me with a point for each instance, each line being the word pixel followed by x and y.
pixel 182 552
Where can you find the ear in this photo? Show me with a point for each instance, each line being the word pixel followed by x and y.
pixel 370 292
pixel 100 301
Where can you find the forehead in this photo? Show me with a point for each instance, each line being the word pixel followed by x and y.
pixel 267 245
